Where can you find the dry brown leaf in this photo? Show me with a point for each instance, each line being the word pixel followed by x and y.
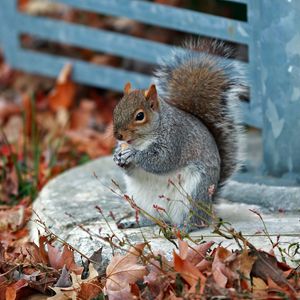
pixel 89 290
pixel 35 253
pixel 221 273
pixel 62 96
pixel 93 143
pixel 156 279
pixel 193 254
pixel 122 294
pixel 204 265
pixel 7 110
pixel 258 284
pixel 104 59
pixel 43 241
pixel 10 186
pixel 173 296
pixel 28 109
pixel 266 267
pixel 58 258
pixel 124 270
pixel 188 271
pixel 12 218
pixel 86 289
pixel 14 288
pixel 82 117
pixel 13 128
pixel 243 265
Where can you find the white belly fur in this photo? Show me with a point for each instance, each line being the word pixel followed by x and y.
pixel 145 188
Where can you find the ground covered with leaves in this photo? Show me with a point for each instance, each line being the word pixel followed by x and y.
pixel 196 271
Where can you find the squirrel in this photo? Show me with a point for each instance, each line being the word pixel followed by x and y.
pixel 182 135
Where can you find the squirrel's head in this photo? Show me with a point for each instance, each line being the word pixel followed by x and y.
pixel 136 114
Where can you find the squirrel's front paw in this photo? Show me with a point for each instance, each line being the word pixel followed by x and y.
pixel 124 157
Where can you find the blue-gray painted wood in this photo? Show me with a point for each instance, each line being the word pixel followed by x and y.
pixel 169 17
pixel 83 72
pixel 9 33
pixel 254 17
pixel 94 39
pixel 279 57
pixel 97 39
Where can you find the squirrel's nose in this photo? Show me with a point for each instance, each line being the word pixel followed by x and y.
pixel 119 136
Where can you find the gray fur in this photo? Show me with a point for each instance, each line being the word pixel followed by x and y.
pixel 214 100
pixel 181 140
pixel 179 136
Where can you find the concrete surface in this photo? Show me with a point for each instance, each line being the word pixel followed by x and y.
pixel 70 199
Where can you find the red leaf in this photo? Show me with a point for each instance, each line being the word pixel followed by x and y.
pixel 221 273
pixel 62 96
pixel 193 254
pixel 58 259
pixel 188 272
pixel 122 271
pixel 11 290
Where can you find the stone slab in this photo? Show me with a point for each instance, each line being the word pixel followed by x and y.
pixel 70 199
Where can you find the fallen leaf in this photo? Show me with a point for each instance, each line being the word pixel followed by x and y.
pixel 221 273
pixel 29 119
pixel 193 254
pixel 7 110
pixel 89 290
pixel 173 296
pixel 65 279
pixel 204 265
pixel 98 262
pixel 243 265
pixel 93 143
pixel 122 271
pixel 83 116
pixel 188 272
pixel 121 294
pixel 63 95
pixel 34 253
pixel 159 275
pixel 266 267
pixel 81 289
pixel 12 218
pixel 58 258
pixel 10 185
pixel 258 284
pixel 14 288
pixel 104 59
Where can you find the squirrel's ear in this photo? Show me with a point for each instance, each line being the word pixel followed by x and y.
pixel 127 88
pixel 151 95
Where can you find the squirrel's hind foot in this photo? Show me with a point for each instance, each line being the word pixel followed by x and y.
pixel 131 223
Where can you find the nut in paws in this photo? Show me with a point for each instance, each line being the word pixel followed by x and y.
pixel 124 157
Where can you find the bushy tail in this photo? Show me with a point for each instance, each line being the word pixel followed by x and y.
pixel 206 84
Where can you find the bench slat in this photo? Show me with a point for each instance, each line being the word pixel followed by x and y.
pixel 95 39
pixel 83 72
pixel 169 17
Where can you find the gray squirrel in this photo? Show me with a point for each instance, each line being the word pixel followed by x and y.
pixel 182 135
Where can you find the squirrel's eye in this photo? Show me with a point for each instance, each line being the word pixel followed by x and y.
pixel 140 116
